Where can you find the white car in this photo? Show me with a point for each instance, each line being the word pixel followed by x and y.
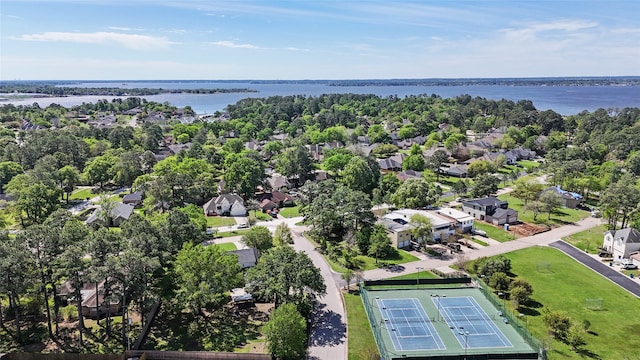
pixel 479 232
pixel 243 226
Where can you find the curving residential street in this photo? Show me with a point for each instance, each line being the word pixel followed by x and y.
pixel 328 338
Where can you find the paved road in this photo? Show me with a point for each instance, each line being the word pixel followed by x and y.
pixel 328 340
pixel 597 266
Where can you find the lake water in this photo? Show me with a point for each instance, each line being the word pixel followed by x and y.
pixel 566 100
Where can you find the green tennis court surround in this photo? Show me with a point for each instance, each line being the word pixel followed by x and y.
pixel 443 321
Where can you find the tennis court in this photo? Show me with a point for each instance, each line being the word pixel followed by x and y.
pixel 409 327
pixel 412 323
pixel 470 324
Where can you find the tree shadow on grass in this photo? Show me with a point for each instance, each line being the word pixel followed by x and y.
pixel 529 311
pixel 329 328
pixel 587 353
pixel 221 330
pixel 533 304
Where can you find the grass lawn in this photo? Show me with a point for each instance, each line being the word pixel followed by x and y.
pixel 401 258
pixel 82 194
pixel 369 263
pixel 528 164
pixel 450 180
pixel 479 242
pixel 562 217
pixel 259 215
pixel 219 221
pixel 226 246
pixel 361 339
pixel 496 233
pixel 590 239
pixel 289 212
pixel 636 273
pixel 419 275
pixel 565 287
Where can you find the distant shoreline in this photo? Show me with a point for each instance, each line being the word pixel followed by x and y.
pixel 127 84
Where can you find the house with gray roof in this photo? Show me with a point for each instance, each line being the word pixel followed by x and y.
pixel 134 198
pixel 622 243
pixel 118 213
pixel 457 170
pixel 246 257
pixel 389 164
pixel 225 204
pixel 490 209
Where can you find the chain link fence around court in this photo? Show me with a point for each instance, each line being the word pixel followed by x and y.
pixel 516 321
pixel 375 327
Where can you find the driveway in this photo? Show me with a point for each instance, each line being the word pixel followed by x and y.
pixel 599 267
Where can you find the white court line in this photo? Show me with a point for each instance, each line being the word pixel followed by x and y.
pixel 387 311
pixel 484 318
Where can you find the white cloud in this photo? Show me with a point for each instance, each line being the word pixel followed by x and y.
pixel 626 31
pixel 232 44
pixel 119 28
pixel 131 41
pixel 295 49
pixel 564 27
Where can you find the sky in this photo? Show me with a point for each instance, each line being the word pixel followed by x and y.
pixel 313 39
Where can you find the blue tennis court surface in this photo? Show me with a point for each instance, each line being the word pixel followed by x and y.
pixel 408 325
pixel 470 323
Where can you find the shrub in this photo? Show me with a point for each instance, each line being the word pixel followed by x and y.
pixel 69 313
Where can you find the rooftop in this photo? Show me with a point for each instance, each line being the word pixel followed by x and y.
pixel 406 214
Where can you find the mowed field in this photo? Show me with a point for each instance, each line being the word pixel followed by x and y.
pixel 566 286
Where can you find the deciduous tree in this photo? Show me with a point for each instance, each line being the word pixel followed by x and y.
pixel 415 193
pixel 358 174
pixel 282 235
pixel 422 228
pixel 204 276
pixel 258 237
pixel 286 333
pixel 484 185
pixel 380 243
pixel 286 276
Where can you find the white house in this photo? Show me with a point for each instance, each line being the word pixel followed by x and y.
pixel 441 227
pixel 463 221
pixel 621 243
pixel 231 204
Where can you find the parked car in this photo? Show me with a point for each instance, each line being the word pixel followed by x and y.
pixel 604 254
pixel 479 232
pixel 243 226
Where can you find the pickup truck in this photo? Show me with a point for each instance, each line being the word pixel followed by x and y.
pixel 628 264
